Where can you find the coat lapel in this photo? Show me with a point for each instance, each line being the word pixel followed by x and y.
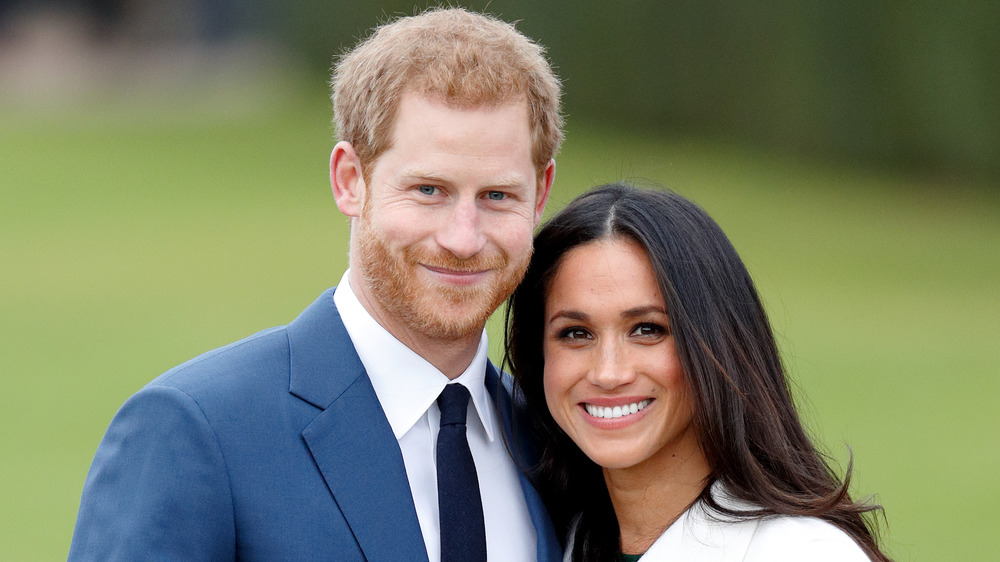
pixel 518 443
pixel 703 536
pixel 351 440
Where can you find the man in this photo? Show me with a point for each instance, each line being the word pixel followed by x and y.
pixel 326 438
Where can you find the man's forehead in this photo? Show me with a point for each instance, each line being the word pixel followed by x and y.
pixel 411 97
pixel 463 100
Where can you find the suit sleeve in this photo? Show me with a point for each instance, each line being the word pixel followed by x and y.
pixel 158 487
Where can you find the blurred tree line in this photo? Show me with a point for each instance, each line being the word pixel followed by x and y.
pixel 911 84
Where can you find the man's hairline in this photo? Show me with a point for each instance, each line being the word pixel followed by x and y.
pixel 456 103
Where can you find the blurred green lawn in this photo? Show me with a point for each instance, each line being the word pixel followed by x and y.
pixel 133 237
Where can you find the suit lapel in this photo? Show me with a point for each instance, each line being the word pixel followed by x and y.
pixel 356 451
pixel 351 440
pixel 548 546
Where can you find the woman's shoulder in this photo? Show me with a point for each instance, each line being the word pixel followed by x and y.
pixel 785 537
pixel 704 534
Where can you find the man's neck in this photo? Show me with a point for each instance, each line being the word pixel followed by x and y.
pixel 451 357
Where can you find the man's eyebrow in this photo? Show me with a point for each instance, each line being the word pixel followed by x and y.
pixel 509 181
pixel 419 175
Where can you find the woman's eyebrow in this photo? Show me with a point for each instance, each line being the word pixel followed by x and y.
pixel 642 310
pixel 570 314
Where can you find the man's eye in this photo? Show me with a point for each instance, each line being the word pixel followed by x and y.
pixel 496 195
pixel 428 189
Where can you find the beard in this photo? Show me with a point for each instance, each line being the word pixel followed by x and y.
pixel 439 311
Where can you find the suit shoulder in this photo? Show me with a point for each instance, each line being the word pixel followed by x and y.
pixel 261 357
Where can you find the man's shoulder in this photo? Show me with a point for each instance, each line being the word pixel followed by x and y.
pixel 262 358
pixel 265 351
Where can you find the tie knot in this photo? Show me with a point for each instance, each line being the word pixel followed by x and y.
pixel 453 402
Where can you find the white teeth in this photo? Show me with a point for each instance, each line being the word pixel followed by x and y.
pixel 608 412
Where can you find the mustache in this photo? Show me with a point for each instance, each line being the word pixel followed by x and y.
pixel 447 260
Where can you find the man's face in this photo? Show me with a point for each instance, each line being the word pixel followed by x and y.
pixel 445 230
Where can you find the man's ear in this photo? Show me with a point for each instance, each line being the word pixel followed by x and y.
pixel 346 181
pixel 544 187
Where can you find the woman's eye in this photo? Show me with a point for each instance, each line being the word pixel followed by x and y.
pixel 428 189
pixel 496 196
pixel 648 329
pixel 574 334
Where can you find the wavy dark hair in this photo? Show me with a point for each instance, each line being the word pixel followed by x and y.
pixel 745 418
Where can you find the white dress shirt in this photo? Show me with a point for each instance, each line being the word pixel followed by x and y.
pixel 407 386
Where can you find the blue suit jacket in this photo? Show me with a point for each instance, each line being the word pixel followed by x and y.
pixel 271 448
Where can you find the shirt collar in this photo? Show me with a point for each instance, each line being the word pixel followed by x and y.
pixel 405 383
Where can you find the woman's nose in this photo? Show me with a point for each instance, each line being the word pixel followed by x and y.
pixel 612 368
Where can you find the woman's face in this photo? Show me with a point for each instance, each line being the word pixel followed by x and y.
pixel 613 381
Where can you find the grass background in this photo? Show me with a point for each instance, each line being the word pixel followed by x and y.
pixel 134 236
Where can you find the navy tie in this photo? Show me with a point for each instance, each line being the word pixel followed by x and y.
pixel 463 532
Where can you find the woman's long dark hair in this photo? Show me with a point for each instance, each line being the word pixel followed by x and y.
pixel 746 421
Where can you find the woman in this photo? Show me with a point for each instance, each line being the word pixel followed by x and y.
pixel 654 384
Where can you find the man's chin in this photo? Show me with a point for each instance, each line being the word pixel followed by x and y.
pixel 451 321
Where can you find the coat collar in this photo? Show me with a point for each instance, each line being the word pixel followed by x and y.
pixel 323 361
pixel 702 534
pixel 350 440
pixel 519 445
pixel 356 451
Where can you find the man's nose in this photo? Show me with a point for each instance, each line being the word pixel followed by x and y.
pixel 462 233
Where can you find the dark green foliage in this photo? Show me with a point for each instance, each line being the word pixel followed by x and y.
pixel 910 84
